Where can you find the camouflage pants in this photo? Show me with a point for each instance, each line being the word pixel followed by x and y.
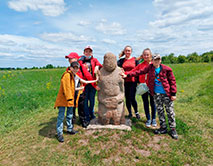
pixel 160 100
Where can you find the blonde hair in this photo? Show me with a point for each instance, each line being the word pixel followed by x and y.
pixel 141 56
pixel 122 52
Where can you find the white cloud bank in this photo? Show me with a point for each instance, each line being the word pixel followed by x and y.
pixel 48 7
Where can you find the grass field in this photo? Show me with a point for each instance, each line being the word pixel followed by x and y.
pixel 28 120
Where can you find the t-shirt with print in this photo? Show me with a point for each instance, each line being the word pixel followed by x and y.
pixel 158 88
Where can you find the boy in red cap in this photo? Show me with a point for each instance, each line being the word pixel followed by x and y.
pixel 92 65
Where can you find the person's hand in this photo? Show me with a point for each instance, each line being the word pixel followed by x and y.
pixel 123 75
pixel 96 69
pixel 173 98
pixel 97 88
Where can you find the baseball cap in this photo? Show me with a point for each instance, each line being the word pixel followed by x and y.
pixel 88 47
pixel 75 64
pixel 156 56
pixel 72 55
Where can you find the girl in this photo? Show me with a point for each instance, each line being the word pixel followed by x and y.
pixel 127 64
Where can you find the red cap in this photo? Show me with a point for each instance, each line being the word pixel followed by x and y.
pixel 72 55
pixel 88 47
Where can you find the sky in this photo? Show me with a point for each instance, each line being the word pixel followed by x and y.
pixel 41 32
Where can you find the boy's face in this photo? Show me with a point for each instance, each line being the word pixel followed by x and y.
pixel 88 52
pixel 72 60
pixel 74 69
pixel 156 62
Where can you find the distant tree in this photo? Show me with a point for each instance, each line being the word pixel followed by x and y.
pixel 207 56
pixel 49 66
pixel 18 68
pixel 172 58
pixel 25 68
pixel 181 59
pixel 194 57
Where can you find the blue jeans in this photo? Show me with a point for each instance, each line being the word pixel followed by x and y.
pixel 146 103
pixel 89 102
pixel 60 119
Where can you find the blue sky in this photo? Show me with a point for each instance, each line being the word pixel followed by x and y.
pixel 41 32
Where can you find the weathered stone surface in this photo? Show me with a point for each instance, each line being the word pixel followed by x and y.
pixel 94 125
pixel 111 93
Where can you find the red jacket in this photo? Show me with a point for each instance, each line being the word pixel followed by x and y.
pixel 142 76
pixel 86 74
pixel 166 75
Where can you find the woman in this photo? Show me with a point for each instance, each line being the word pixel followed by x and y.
pixel 127 64
pixel 147 57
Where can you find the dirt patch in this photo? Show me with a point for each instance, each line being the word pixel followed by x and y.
pixel 142 152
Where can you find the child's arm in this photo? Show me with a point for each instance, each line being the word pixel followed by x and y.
pixel 88 82
pixel 79 88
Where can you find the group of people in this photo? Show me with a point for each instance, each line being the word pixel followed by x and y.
pixel 79 84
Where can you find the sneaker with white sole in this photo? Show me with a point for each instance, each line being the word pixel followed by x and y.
pixel 148 123
pixel 154 123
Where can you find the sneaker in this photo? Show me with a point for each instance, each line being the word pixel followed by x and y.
pixel 154 123
pixel 130 116
pixel 148 123
pixel 60 138
pixel 160 131
pixel 92 117
pixel 173 133
pixel 72 132
pixel 137 115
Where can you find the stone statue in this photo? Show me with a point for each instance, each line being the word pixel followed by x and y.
pixel 111 93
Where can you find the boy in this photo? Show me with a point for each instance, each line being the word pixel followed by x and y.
pixel 162 86
pixel 92 65
pixel 66 98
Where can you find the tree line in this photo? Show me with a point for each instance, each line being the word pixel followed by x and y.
pixel 167 59
pixel 190 58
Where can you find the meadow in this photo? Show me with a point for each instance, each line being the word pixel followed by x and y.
pixel 28 120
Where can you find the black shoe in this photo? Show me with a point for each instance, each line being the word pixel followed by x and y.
pixel 137 115
pixel 85 124
pixel 173 133
pixel 160 131
pixel 72 132
pixel 60 138
pixel 92 117
pixel 130 116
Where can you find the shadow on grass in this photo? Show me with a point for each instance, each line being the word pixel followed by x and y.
pixel 49 128
pixel 139 125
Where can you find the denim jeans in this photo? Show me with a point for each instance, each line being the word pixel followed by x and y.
pixel 146 96
pixel 60 119
pixel 89 102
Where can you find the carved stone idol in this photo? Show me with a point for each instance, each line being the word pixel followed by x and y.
pixel 111 93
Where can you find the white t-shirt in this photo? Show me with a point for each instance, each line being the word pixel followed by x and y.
pixel 77 80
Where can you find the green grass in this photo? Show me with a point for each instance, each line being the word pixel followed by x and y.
pixel 28 120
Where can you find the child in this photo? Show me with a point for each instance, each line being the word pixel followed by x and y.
pixel 143 78
pixel 128 63
pixel 162 86
pixel 92 65
pixel 65 98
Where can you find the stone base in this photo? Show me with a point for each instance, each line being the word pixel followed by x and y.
pixel 94 125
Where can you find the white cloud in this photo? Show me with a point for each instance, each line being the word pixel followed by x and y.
pixel 180 27
pixel 48 7
pixel 109 41
pixel 175 12
pixel 112 29
pixel 84 23
pixel 66 38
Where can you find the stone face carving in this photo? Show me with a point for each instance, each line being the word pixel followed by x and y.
pixel 111 93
